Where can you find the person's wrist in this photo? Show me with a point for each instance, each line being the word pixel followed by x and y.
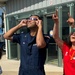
pixel 40 28
pixel 56 22
pixel 19 25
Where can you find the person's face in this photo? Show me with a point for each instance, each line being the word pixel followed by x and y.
pixel 32 22
pixel 72 37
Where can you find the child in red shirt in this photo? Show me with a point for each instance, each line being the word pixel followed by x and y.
pixel 68 49
pixel 68 60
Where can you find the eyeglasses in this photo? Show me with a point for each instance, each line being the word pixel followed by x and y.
pixel 33 19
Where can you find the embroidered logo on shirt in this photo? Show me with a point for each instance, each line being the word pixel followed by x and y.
pixel 34 44
pixel 23 42
pixel 66 53
pixel 25 35
pixel 73 57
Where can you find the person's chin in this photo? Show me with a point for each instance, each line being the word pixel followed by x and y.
pixel 73 41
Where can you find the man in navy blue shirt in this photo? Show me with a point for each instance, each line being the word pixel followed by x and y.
pixel 33 46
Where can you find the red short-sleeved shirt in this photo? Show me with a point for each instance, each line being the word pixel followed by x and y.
pixel 68 60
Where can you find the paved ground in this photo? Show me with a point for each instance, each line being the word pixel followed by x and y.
pixel 10 67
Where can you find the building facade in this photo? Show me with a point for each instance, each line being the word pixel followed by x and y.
pixel 16 10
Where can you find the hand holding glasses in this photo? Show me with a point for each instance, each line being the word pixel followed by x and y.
pixel 38 22
pixel 28 19
pixel 24 22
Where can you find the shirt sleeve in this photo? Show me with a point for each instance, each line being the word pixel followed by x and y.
pixel 16 38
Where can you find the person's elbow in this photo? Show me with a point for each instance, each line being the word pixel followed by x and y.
pixel 41 45
pixel 55 36
pixel 6 37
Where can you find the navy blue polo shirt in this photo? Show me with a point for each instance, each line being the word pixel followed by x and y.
pixel 32 58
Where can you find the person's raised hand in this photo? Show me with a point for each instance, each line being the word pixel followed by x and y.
pixel 70 20
pixel 39 23
pixel 23 23
pixel 55 16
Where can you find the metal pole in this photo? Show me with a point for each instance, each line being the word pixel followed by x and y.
pixel 60 35
pixel 71 6
pixel 5 32
pixel 45 32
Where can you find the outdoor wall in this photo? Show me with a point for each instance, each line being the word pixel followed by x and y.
pixel 18 6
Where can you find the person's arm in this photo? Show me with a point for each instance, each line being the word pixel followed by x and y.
pixel 9 33
pixel 56 37
pixel 39 37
